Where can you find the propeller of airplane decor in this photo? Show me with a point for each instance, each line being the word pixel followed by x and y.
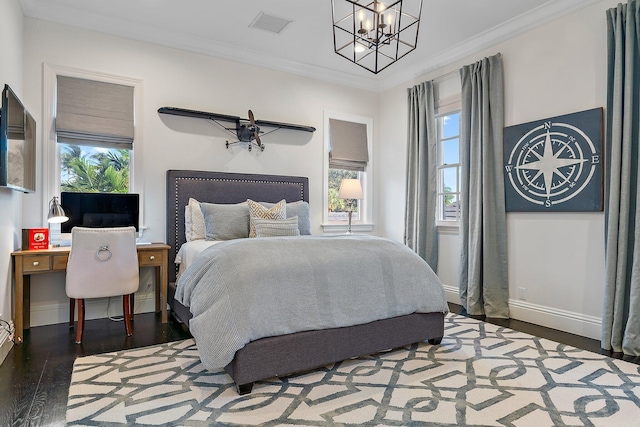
pixel 245 130
pixel 256 131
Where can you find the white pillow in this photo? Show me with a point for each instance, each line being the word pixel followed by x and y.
pixel 187 223
pixel 193 221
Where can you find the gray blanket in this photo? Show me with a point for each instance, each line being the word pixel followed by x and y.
pixel 242 290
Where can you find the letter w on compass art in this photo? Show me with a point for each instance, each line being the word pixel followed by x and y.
pixel 555 164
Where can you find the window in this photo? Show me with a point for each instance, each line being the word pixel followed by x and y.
pixel 86 168
pixel 448 139
pixel 95 132
pixel 339 208
pixel 347 156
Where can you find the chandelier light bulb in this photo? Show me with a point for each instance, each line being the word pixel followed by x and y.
pixel 375 35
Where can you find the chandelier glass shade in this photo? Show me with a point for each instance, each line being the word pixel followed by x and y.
pixel 373 34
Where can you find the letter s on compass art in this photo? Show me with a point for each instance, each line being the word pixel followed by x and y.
pixel 555 164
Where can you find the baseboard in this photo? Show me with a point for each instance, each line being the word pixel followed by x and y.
pixel 567 321
pixel 49 314
pixel 5 343
pixel 452 294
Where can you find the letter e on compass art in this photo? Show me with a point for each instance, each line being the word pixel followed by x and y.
pixel 555 164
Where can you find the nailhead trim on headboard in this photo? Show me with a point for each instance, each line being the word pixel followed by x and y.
pixel 178 181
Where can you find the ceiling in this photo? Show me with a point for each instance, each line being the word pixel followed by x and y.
pixel 449 30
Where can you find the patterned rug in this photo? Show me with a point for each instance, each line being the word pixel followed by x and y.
pixel 481 375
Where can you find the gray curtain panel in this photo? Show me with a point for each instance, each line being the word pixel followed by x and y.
pixel 621 314
pixel 420 232
pixel 483 280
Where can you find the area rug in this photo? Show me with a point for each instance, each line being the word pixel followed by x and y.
pixel 481 375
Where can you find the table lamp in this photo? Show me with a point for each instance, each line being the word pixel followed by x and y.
pixel 350 189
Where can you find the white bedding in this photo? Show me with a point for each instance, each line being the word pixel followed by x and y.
pixel 189 251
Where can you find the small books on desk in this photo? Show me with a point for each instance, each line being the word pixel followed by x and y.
pixel 35 238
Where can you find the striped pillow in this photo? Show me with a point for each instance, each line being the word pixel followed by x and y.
pixel 299 208
pixel 277 227
pixel 257 211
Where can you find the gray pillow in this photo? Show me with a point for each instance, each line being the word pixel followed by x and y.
pixel 276 227
pixel 225 222
pixel 299 209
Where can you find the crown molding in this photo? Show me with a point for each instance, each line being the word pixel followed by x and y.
pixel 39 9
pixel 521 24
pixel 547 12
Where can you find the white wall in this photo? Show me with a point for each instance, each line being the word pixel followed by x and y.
pixel 181 79
pixel 11 35
pixel 556 69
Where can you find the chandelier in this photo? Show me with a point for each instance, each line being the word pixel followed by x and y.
pixel 374 35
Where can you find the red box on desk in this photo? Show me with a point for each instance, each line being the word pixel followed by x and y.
pixel 35 238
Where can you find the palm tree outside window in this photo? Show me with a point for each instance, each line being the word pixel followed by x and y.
pixel 85 168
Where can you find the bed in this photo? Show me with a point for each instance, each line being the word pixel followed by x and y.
pixel 289 353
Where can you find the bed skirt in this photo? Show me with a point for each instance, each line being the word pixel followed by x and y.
pixel 302 351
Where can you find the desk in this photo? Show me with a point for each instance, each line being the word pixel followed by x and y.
pixel 26 263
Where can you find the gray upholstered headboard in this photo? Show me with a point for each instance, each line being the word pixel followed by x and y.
pixel 220 187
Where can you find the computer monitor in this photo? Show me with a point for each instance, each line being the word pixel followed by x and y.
pixel 100 210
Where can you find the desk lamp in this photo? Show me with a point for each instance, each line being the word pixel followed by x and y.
pixel 57 214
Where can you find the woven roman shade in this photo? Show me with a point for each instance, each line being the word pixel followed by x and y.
pixel 94 113
pixel 348 145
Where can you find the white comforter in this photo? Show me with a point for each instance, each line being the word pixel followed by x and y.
pixel 242 290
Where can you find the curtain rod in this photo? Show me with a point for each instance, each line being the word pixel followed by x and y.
pixel 450 73
pixel 445 76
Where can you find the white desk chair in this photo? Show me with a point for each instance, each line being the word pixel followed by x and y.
pixel 103 263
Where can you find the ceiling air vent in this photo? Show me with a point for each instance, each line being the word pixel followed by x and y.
pixel 269 23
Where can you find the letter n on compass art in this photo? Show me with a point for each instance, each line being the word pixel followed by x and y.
pixel 555 164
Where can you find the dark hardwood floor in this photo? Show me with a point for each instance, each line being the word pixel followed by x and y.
pixel 35 377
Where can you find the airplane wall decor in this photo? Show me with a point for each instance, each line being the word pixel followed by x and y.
pixel 245 130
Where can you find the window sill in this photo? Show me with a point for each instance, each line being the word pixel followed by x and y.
pixel 449 228
pixel 340 227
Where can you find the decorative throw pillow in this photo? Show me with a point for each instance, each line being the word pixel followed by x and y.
pixel 225 222
pixel 276 227
pixel 193 221
pixel 257 211
pixel 299 209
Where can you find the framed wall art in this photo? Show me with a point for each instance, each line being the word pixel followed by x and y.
pixel 555 164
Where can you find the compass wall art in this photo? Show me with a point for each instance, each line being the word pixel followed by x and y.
pixel 555 164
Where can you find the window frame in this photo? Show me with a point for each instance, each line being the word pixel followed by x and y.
pixel 365 208
pixel 358 204
pixel 51 149
pixel 446 107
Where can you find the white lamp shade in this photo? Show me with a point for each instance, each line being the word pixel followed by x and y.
pixel 350 189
